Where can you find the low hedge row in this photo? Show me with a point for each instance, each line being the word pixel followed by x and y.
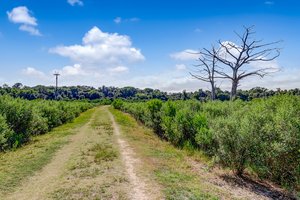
pixel 20 119
pixel 262 136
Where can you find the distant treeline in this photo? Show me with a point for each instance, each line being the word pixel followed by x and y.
pixel 131 93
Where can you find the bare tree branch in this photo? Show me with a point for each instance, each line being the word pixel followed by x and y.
pixel 206 70
pixel 247 52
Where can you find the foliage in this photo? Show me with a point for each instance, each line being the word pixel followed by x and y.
pixel 5 134
pixel 154 115
pixel 262 135
pixel 17 166
pixel 105 95
pixel 171 170
pixel 20 119
pixel 117 103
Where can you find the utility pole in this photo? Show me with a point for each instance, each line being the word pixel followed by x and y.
pixel 56 74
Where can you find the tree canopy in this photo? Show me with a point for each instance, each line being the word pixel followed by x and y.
pixel 131 93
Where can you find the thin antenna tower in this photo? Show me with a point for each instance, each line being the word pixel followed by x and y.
pixel 56 74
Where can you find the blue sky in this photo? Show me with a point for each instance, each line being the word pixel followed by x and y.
pixel 137 43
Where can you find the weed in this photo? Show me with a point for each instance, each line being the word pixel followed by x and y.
pixel 103 152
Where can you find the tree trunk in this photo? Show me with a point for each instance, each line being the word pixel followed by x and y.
pixel 233 90
pixel 213 91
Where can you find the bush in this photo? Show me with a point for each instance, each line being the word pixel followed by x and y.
pixel 25 118
pixel 39 124
pixel 18 115
pixel 154 115
pixel 5 134
pixel 52 113
pixel 282 158
pixel 168 121
pixel 233 145
pixel 262 135
pixel 204 136
pixel 117 103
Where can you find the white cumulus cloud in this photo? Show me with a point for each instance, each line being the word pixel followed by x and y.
pixel 22 15
pixel 31 71
pixel 30 29
pixel 100 49
pixel 188 54
pixel 75 2
pixel 119 69
pixel 72 70
pixel 170 81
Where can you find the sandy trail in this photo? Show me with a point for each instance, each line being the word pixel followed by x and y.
pixel 140 187
pixel 46 181
pixel 141 190
pixel 39 185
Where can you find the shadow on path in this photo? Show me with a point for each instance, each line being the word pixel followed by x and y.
pixel 263 189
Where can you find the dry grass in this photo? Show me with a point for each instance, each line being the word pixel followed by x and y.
pixel 96 171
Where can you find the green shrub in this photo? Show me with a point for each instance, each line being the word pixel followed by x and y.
pixel 39 124
pixel 26 118
pixel 18 115
pixel 117 103
pixel 234 146
pixel 203 136
pixel 154 115
pixel 5 134
pixel 52 113
pixel 283 154
pixel 185 130
pixel 262 135
pixel 168 121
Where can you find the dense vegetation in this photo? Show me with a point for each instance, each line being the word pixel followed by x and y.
pixel 261 136
pixel 20 119
pixel 130 93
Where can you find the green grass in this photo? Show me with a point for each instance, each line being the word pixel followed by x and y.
pixel 96 171
pixel 16 166
pixel 103 152
pixel 167 165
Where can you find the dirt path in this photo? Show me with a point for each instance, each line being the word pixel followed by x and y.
pixel 87 167
pixel 100 162
pixel 37 187
pixel 141 188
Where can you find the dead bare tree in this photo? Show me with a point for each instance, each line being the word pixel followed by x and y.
pixel 238 57
pixel 206 71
